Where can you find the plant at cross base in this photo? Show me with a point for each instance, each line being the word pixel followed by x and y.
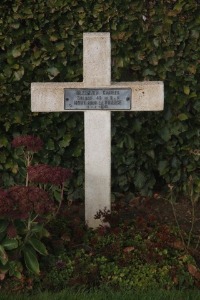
pixel 26 209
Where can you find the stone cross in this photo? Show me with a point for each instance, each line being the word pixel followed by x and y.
pixel 54 97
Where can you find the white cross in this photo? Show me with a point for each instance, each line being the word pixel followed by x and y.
pixel 49 97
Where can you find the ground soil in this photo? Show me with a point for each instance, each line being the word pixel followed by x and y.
pixel 156 206
pixel 165 213
pixel 180 214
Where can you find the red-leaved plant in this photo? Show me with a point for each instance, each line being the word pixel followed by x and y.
pixel 25 210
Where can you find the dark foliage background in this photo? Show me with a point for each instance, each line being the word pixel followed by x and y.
pixel 151 40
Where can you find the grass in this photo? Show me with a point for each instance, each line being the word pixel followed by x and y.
pixel 108 294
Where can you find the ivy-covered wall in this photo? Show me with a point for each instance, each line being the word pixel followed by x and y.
pixel 151 40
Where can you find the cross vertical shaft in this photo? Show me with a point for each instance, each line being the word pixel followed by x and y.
pixel 97 124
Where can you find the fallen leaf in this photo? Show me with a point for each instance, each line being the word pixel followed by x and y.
pixel 2 276
pixel 156 196
pixel 65 237
pixel 128 249
pixel 175 280
pixel 134 202
pixel 179 245
pixel 194 271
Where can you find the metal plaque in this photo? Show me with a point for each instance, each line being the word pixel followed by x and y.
pixel 97 99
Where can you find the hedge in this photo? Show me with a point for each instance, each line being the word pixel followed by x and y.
pixel 41 41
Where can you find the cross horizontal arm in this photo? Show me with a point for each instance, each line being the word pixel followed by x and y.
pixel 49 97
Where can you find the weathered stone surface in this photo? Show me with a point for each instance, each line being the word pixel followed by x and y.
pixel 97 73
pixel 96 59
pixel 97 164
pixel 146 96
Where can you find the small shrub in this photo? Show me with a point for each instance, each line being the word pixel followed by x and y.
pixel 25 210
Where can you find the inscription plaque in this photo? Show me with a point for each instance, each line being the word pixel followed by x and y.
pixel 97 99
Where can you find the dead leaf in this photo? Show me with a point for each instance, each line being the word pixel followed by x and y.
pixel 128 249
pixel 119 36
pixel 194 271
pixel 65 237
pixel 156 196
pixel 179 245
pixel 2 276
pixel 134 202
pixel 175 280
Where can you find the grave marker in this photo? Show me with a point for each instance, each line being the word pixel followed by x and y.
pixel 97 97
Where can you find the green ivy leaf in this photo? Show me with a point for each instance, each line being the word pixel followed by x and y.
pixel 182 117
pixel 60 46
pixel 163 167
pixel 50 145
pixel 192 69
pixel 165 134
pixel 3 141
pixel 119 62
pixel 151 153
pixel 148 72
pixel 186 90
pixel 153 59
pixel 3 157
pixel 129 141
pixel 178 7
pixel 15 25
pixel 77 151
pixel 18 74
pixel 123 180
pixel 139 179
pixel 137 125
pixel 65 141
pixel 53 37
pixel 53 72
pixel 16 52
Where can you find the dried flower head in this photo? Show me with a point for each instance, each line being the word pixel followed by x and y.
pixel 11 231
pixel 43 173
pixel 32 143
pixel 21 201
pixel 5 202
